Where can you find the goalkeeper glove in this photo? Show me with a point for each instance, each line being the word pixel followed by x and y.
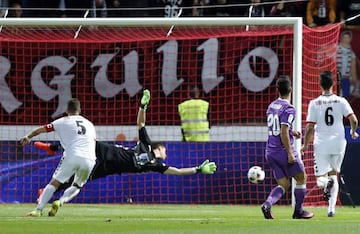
pixel 145 99
pixel 206 167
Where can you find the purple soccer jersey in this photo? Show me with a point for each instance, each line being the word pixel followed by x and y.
pixel 278 113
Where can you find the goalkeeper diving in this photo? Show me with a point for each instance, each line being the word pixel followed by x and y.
pixel 146 156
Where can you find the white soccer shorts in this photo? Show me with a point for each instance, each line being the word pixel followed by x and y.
pixel 325 163
pixel 70 165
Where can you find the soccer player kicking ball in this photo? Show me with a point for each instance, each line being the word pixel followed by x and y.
pixel 281 155
pixel 78 138
pixel 325 118
pixel 146 156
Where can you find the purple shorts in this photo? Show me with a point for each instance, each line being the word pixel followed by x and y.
pixel 278 161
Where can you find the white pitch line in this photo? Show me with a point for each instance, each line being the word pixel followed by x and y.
pixel 180 219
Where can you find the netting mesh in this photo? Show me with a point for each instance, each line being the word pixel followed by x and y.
pixel 319 54
pixel 124 34
pixel 107 68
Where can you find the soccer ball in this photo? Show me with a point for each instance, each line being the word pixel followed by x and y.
pixel 256 174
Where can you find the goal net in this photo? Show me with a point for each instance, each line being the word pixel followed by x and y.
pixel 107 62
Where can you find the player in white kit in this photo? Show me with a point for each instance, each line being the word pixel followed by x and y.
pixel 325 118
pixel 77 137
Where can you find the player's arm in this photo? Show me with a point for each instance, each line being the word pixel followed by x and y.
pixel 309 131
pixel 354 125
pixel 310 125
pixel 180 171
pixel 285 139
pixel 27 138
pixel 141 117
pixel 296 134
pixel 206 167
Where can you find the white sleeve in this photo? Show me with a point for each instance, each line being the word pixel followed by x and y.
pixel 346 108
pixel 57 124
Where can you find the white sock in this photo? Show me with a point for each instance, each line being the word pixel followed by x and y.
pixel 333 194
pixel 322 181
pixel 69 194
pixel 46 195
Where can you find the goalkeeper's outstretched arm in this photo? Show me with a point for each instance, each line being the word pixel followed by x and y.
pixel 180 171
pixel 206 167
pixel 143 106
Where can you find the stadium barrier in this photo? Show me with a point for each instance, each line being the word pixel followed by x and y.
pixel 32 169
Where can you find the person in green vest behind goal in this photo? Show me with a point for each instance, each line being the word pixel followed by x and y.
pixel 194 117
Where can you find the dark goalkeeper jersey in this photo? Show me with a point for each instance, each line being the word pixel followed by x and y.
pixel 117 159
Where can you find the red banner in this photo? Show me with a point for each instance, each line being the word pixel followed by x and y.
pixel 235 74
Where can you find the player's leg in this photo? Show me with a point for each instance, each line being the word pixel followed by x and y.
pixel 56 204
pixel 81 177
pixel 40 191
pixel 336 162
pixel 68 195
pixel 297 171
pixel 62 173
pixel 321 168
pixel 50 148
pixel 66 185
pixel 333 191
pixel 299 193
pixel 62 187
pixel 274 196
pixel 278 191
pixel 44 198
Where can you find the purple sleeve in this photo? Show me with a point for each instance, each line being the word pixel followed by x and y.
pixel 288 116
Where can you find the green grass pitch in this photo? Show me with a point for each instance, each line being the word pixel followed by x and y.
pixel 136 218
